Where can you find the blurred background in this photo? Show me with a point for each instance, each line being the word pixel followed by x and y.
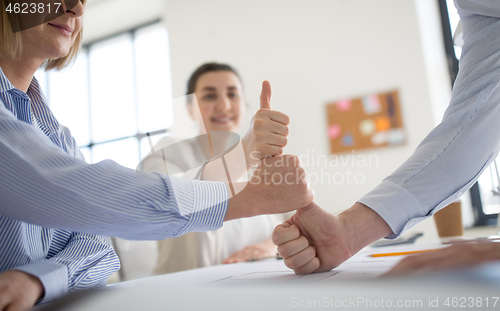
pixel 138 55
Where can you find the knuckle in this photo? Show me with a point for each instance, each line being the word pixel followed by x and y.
pixel 304 241
pixel 283 251
pixel 276 238
pixel 310 267
pixel 311 250
pixel 315 264
pixel 280 114
pixel 302 271
pixel 296 232
pixel 286 119
pixel 290 263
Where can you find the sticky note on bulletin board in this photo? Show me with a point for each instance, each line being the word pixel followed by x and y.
pixel 365 122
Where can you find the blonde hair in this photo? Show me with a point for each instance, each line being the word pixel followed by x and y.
pixel 11 44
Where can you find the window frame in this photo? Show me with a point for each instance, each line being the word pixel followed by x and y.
pixel 85 49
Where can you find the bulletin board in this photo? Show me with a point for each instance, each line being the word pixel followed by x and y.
pixel 370 121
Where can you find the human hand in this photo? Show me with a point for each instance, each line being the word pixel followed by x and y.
pixel 314 240
pixel 256 251
pixel 19 291
pixel 453 257
pixel 268 130
pixel 278 185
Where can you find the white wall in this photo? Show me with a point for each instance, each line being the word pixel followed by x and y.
pixel 107 17
pixel 313 52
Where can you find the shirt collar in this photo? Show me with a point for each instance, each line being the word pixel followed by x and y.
pixel 35 89
pixel 5 84
pixel 47 122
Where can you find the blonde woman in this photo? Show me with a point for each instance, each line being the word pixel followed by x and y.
pixel 39 263
pixel 45 183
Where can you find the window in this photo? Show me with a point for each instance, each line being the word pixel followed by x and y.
pixel 118 90
pixel 453 20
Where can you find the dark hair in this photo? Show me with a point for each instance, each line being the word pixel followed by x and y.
pixel 205 68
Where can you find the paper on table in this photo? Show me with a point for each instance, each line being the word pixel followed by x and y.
pixel 360 266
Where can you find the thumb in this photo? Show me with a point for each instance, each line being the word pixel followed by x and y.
pixel 265 96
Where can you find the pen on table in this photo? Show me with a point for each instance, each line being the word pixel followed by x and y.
pixel 277 256
pixel 403 253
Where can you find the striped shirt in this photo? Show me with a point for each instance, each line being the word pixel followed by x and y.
pixel 45 183
pixel 62 260
pixel 453 156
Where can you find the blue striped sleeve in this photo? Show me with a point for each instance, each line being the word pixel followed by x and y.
pixel 206 195
pixel 53 276
pixel 84 261
pixel 90 260
pixel 42 185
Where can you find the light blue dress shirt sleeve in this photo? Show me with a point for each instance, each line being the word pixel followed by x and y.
pixel 42 185
pixel 452 157
pixel 86 261
pixel 54 278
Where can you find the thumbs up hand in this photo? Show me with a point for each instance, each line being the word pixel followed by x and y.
pixel 268 130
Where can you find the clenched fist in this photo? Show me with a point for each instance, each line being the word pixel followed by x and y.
pixel 314 240
pixel 278 185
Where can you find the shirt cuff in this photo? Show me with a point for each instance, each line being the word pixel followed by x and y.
pixel 205 201
pixel 54 278
pixel 396 206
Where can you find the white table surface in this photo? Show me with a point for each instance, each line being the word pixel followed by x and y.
pixel 269 285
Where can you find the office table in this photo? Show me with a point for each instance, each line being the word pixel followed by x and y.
pixel 269 285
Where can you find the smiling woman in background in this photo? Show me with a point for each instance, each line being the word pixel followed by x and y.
pixel 219 94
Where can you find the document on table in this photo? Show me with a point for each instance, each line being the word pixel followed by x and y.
pixel 360 266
